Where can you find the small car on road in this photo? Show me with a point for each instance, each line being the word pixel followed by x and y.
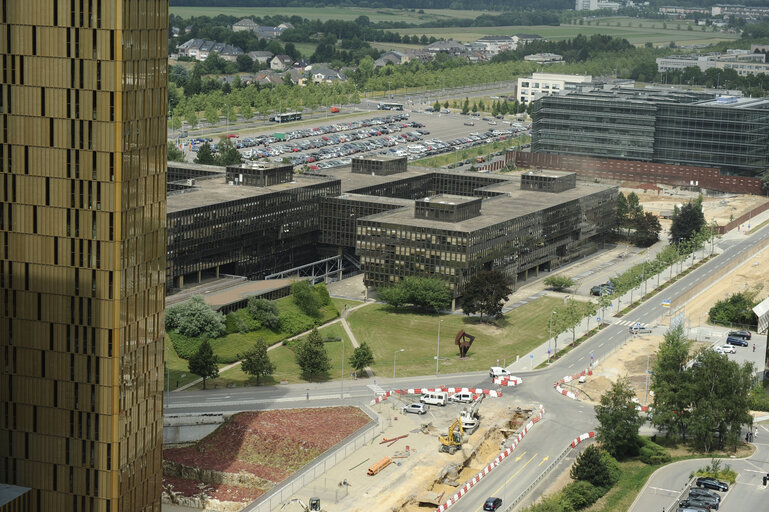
pixel 745 335
pixel 493 504
pixel 640 329
pixel 726 349
pixel 498 371
pixel 416 408
pixel 711 483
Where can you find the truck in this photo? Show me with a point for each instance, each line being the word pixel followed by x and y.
pixel 279 136
pixel 334 110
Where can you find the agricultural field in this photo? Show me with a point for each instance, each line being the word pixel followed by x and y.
pixel 638 35
pixel 330 13
pixel 268 446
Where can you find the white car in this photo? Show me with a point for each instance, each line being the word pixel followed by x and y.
pixel 726 349
pixel 463 397
pixel 416 408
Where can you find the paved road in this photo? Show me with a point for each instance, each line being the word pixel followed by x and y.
pixel 564 420
pixel 665 486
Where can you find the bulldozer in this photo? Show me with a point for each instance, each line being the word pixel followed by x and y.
pixel 452 441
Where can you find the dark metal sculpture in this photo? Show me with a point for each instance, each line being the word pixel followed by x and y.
pixel 463 340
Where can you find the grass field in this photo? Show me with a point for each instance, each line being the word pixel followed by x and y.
pixel 286 369
pixel 329 13
pixel 472 153
pixel 386 331
pixel 647 32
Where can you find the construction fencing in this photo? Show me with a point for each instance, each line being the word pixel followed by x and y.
pixel 287 489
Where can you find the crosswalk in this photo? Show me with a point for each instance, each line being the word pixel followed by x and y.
pixel 626 323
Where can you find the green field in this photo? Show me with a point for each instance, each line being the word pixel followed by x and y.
pixel 329 13
pixel 386 331
pixel 647 32
pixel 286 369
pixel 470 153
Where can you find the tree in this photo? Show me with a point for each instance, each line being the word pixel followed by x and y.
pixel 361 357
pixel 245 63
pixel 735 309
pixel 194 318
pixel 205 155
pixel 203 363
pixel 421 292
pixel 311 356
pixel 604 301
pixel 303 296
pixel 174 153
pixel 647 230
pixel 595 466
pixel 765 182
pixel 570 317
pixel 486 293
pixel 212 114
pixel 466 106
pixel 618 420
pixel 672 384
pixel 622 210
pixel 256 362
pixel 437 106
pixel 687 220
pixel 559 282
pixel 228 155
pixel 265 312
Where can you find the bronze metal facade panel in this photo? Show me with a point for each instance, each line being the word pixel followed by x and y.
pixel 83 251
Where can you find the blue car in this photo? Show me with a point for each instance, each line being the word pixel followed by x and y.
pixel 731 340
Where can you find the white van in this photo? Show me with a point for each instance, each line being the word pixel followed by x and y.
pixel 434 398
pixel 498 371
pixel 463 397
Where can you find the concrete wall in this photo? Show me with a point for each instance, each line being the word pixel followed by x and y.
pixel 643 172
pixel 188 428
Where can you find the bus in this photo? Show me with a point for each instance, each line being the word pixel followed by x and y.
pixel 286 117
pixel 390 106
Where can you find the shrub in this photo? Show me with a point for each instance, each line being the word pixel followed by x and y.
pixel 421 292
pixel 194 318
pixel 265 312
pixel 231 323
pixel 307 297
pixel 579 495
pixel 241 321
pixel 185 347
pixel 736 309
pixel 322 293
pixel 292 323
pixel 596 466
pixel 759 398
pixel 652 453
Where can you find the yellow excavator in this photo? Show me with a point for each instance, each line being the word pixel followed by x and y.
pixel 452 441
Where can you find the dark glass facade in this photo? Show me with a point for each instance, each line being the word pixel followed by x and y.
pixel 672 127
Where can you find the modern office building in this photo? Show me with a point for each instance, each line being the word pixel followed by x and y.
pixel 656 125
pixel 533 87
pixel 394 221
pixel 83 107
pixel 744 62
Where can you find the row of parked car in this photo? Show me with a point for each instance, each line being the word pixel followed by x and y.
pixel 702 498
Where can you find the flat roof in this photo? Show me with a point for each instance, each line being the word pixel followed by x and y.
pixel 244 291
pixel 8 493
pixel 215 190
pixel 513 203
pixel 449 199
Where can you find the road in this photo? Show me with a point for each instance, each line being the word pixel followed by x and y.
pixel 564 419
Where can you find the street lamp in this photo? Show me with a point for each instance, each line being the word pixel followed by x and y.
pixel 550 328
pixel 438 350
pixel 643 277
pixel 395 357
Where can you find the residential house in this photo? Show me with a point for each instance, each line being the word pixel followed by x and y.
pixel 297 76
pixel 200 49
pixel 394 57
pixel 246 24
pixel 492 45
pixel 451 47
pixel 281 62
pixel 261 57
pixel 321 73
pixel 268 32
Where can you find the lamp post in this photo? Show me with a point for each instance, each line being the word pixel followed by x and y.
pixel 438 350
pixel 550 328
pixel 342 396
pixel 395 357
pixel 643 277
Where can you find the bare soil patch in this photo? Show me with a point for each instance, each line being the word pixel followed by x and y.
pixel 269 445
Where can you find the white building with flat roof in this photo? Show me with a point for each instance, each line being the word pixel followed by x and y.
pixel 546 84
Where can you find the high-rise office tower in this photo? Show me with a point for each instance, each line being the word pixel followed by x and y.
pixel 83 91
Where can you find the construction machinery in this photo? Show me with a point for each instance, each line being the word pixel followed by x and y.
pixel 469 417
pixel 452 441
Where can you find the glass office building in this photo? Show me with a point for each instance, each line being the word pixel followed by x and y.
pixel 656 125
pixel 83 108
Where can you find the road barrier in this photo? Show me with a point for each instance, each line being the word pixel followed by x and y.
pixel 570 378
pixel 493 464
pixel 508 381
pixel 419 391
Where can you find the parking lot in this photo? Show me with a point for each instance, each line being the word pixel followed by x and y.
pixel 411 134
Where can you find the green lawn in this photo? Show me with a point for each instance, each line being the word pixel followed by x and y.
pixel 286 369
pixel 176 367
pixel 470 153
pixel 329 13
pixel 386 331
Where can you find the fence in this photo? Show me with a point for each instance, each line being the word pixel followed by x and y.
pixel 289 487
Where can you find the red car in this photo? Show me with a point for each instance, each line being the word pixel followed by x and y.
pixel 232 136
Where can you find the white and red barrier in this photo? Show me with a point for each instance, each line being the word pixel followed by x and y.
pixel 642 408
pixel 493 464
pixel 569 378
pixel 508 381
pixel 583 437
pixel 418 391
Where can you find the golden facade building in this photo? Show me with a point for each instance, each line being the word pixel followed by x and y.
pixel 83 92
